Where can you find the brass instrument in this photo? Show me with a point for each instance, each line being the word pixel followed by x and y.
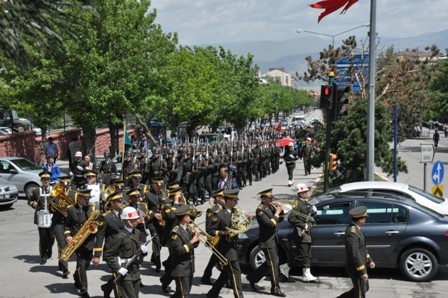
pixel 210 242
pixel 105 194
pixel 241 222
pixel 59 200
pixel 90 226
pixel 194 212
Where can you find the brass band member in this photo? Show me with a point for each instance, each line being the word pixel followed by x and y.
pixel 227 246
pixel 268 216
pixel 217 206
pixel 58 222
pixel 153 199
pixel 39 200
pixel 123 246
pixel 181 245
pixel 135 200
pixel 168 209
pixel 76 217
pixel 301 218
pixel 136 178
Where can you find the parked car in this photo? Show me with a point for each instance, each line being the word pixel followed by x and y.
pixel 8 193
pixel 399 232
pixel 394 188
pixel 22 172
pixel 5 130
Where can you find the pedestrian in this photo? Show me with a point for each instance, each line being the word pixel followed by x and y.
pixel 77 168
pixel 123 246
pixel 53 168
pixel 268 216
pixel 357 257
pixel 290 156
pixel 301 218
pixel 51 149
pixel 436 138
pixel 73 147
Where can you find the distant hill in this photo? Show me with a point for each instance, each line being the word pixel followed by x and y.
pixel 291 54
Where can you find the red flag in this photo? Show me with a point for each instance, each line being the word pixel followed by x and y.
pixel 279 127
pixel 331 6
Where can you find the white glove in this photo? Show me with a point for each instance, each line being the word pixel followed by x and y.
pixel 314 209
pixel 80 168
pixel 306 227
pixel 144 249
pixel 122 271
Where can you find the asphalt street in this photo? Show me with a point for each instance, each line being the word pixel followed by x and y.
pixel 21 275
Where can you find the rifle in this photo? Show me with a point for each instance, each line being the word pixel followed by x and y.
pixel 110 285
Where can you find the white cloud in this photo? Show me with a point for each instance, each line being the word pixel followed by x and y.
pixel 213 21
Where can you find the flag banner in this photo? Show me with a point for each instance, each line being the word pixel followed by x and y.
pixel 331 6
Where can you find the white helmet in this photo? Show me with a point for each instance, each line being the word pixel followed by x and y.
pixel 290 144
pixel 301 187
pixel 129 213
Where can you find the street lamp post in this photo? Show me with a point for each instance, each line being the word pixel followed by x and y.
pixel 328 127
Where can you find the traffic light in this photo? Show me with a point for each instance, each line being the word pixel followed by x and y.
pixel 333 163
pixel 340 99
pixel 326 97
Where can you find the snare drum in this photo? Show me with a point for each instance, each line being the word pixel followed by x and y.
pixel 44 219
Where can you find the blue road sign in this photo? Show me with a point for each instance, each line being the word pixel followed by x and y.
pixel 437 173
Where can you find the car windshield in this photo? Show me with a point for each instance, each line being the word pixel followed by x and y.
pixel 427 195
pixel 25 164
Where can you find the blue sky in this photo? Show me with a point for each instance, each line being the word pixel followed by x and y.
pixel 213 21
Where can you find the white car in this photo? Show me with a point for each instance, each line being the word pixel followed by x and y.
pixel 395 188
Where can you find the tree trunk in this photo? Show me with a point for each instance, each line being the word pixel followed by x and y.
pixel 89 135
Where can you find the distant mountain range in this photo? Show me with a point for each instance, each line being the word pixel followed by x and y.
pixel 290 54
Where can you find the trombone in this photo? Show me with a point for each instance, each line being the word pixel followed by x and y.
pixel 209 242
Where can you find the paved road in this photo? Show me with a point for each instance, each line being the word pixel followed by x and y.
pixel 22 276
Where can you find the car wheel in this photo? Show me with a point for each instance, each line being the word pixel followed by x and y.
pixel 418 264
pixel 256 258
pixel 29 189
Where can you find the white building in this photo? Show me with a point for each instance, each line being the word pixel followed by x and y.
pixel 279 75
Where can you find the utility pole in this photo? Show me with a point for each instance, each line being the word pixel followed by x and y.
pixel 328 137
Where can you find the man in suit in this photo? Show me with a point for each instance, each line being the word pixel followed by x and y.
pixel 268 216
pixel 227 246
pixel 183 240
pixel 357 257
pixel 78 214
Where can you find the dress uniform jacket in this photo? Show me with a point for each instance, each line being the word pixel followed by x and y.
pixel 110 224
pixel 357 256
pixel 168 209
pixel 77 215
pixel 182 252
pixel 267 221
pixel 221 220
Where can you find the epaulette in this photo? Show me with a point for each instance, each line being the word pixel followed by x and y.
pixel 175 229
pixel 259 212
pixel 353 229
pixel 106 213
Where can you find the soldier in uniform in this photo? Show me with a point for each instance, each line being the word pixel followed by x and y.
pixel 357 257
pixel 306 150
pixel 257 164
pixel 153 199
pixel 268 217
pixel 157 166
pixel 128 166
pixel 182 242
pixel 108 170
pixel 135 200
pixel 172 164
pixel 39 200
pixel 58 222
pixel 249 165
pixel 142 160
pixel 217 206
pixel 78 214
pixel 301 218
pixel 200 169
pixel 135 178
pixel 77 169
pixel 227 246
pixel 110 224
pixel 123 246
pixel 168 209
pixel 188 185
pixel 290 156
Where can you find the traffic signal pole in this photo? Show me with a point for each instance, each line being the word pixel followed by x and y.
pixel 328 138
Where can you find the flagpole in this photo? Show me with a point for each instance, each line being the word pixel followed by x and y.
pixel 370 161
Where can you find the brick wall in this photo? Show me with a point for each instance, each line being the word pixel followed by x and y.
pixel 26 144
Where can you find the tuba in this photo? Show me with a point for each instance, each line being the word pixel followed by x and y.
pixel 90 226
pixel 59 200
pixel 241 222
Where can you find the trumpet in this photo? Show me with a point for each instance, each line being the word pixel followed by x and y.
pixel 210 242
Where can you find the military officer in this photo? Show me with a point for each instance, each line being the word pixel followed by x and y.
pixel 182 242
pixel 157 166
pixel 357 257
pixel 268 216
pixel 108 170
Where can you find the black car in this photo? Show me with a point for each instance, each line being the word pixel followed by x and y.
pixel 399 232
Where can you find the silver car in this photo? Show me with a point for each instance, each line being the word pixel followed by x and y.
pixel 21 172
pixel 8 193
